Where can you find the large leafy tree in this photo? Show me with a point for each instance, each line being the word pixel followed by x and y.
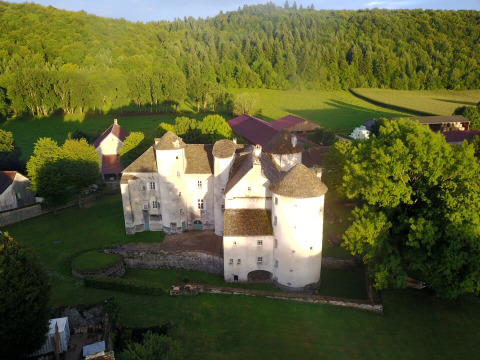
pixel 24 295
pixel 45 150
pixel 134 145
pixel 420 208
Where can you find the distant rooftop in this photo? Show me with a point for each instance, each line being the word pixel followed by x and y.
pixel 254 130
pixel 119 132
pixel 290 121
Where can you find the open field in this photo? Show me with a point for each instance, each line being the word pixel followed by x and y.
pixel 431 102
pixel 338 110
pixel 416 324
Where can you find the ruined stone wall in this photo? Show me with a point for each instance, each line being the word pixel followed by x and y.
pixel 186 260
pixel 116 270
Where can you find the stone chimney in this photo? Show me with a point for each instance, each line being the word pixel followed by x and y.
pixel 234 140
pixel 257 151
pixel 294 140
pixel 115 121
pixel 318 171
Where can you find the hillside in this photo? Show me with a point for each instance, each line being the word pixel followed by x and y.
pixel 53 59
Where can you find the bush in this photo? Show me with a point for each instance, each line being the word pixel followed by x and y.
pixel 95 261
pixel 131 286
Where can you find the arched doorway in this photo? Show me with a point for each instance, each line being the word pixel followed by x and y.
pixel 197 225
pixel 259 276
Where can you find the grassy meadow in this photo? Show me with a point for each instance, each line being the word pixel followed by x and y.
pixel 434 102
pixel 415 325
pixel 337 110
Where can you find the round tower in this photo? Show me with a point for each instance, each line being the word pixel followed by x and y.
pixel 223 155
pixel 170 155
pixel 285 150
pixel 297 219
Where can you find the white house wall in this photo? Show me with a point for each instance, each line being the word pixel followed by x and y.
pixel 245 249
pixel 287 161
pixel 221 174
pixel 194 193
pixel 111 145
pixel 298 229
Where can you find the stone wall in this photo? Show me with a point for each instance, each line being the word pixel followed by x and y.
pixel 186 260
pixel 10 217
pixel 116 270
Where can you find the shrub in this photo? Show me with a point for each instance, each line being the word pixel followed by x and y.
pixel 95 261
pixel 131 286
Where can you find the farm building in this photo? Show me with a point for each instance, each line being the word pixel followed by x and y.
pixel 108 147
pixel 436 123
pixel 266 204
pixel 14 192
pixel 457 137
pixel 64 337
pixel 294 124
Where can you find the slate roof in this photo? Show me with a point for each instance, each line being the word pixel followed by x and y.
pixel 247 222
pixel 6 179
pixel 170 141
pixel 116 130
pixel 199 159
pixel 111 164
pixel 459 136
pixel 253 130
pixel 224 149
pixel 244 163
pixel 126 178
pixel 288 121
pixel 299 182
pixel 314 156
pixel 144 163
pixel 282 144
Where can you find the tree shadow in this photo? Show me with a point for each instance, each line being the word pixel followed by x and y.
pixel 461 102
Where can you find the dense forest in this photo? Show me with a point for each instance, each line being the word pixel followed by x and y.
pixel 55 60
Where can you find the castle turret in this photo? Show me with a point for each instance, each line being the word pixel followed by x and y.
pixel 171 163
pixel 285 150
pixel 297 219
pixel 223 154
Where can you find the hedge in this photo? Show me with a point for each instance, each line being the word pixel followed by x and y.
pixel 131 286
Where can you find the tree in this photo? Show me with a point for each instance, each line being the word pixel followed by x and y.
pixel 134 145
pixel 44 151
pixel 214 127
pixel 9 152
pixel 420 206
pixel 471 113
pixel 476 145
pixel 4 103
pixel 24 295
pixel 81 164
pixel 245 103
pixel 52 181
pixel 153 347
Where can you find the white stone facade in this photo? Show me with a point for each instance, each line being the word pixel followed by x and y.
pixel 360 133
pixel 248 196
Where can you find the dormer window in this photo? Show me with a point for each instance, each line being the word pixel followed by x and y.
pixel 259 242
pixel 154 204
pixel 260 260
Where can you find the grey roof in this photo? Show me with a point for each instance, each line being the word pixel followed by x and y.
pixel 169 141
pixel 282 144
pixel 224 149
pixel 144 163
pixel 94 348
pixel 299 182
pixel 247 222
pixel 199 159
pixel 6 179
pixel 244 163
pixel 126 178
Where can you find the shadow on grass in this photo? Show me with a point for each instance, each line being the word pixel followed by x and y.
pixel 460 102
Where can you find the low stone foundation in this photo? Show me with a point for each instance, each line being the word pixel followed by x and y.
pixel 116 270
pixel 185 260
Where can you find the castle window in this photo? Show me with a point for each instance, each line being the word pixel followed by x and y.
pixel 223 207
pixel 144 187
pixel 181 211
pixel 154 204
pixel 239 261
pixel 249 188
pixel 234 243
pixel 311 247
pixel 199 184
pixel 276 243
pixel 259 242
pixel 276 200
pixel 180 194
pixel 223 190
pixel 18 196
pixel 259 259
pixel 178 173
pixel 275 220
pixel 276 263
pixel 231 261
pixel 152 185
pixel 200 204
pixel 145 206
pixel 176 157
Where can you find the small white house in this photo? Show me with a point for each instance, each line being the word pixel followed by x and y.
pixel 14 192
pixel 360 133
pixel 64 337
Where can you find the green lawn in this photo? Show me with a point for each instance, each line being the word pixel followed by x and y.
pixel 416 324
pixel 435 102
pixel 94 260
pixel 338 110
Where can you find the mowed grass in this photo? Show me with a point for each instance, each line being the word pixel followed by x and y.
pixel 435 102
pixel 337 110
pixel 94 260
pixel 415 325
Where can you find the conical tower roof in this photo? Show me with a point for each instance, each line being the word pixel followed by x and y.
pixel 170 141
pixel 283 143
pixel 224 149
pixel 299 182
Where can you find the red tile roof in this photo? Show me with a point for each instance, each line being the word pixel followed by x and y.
pixel 288 121
pixel 6 179
pixel 111 164
pixel 116 130
pixel 459 136
pixel 254 130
